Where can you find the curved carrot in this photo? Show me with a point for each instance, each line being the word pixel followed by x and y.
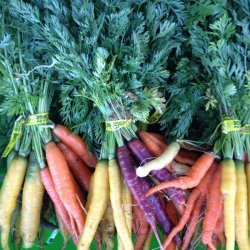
pixel 98 204
pixel 64 185
pixel 76 144
pixel 194 218
pixel 79 169
pixel 10 190
pixel 201 189
pixel 196 173
pixel 60 209
pixel 213 208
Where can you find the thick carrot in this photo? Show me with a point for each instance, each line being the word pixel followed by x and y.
pixel 241 219
pixel 97 206
pixel 213 208
pixel 64 185
pixel 108 228
pixel 76 144
pixel 161 161
pixel 194 218
pixel 79 169
pixel 141 224
pixel 60 209
pixel 63 231
pixel 32 198
pixel 10 190
pixel 248 191
pixel 116 202
pixel 201 189
pixel 228 189
pixel 197 172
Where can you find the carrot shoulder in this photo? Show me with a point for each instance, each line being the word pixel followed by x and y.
pixel 76 144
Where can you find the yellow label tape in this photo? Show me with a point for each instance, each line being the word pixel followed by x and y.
pixel 116 125
pixel 37 119
pixel 15 135
pixel 228 125
pixel 246 129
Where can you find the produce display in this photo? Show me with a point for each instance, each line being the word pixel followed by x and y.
pixel 125 122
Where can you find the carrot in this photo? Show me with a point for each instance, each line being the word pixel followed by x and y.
pixel 248 191
pixel 219 230
pixel 127 207
pixel 90 194
pixel 32 198
pixel 108 228
pixel 172 212
pixel 187 157
pixel 76 144
pixel 116 202
pixel 63 232
pixel 79 196
pixel 241 219
pixel 148 240
pixel 160 162
pixel 60 209
pixel 201 189
pixel 213 208
pixel 197 172
pixel 172 246
pixel 79 169
pixel 97 206
pixel 194 218
pixel 228 189
pixel 158 136
pixel 141 226
pixel 10 190
pixel 64 185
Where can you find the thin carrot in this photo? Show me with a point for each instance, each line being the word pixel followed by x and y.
pixel 148 240
pixel 79 169
pixel 194 218
pixel 228 189
pixel 213 208
pixel 219 229
pixel 141 226
pixel 99 201
pixel 60 209
pixel 197 172
pixel 202 188
pixel 76 144
pixel 116 202
pixel 10 190
pixel 248 191
pixel 64 185
pixel 241 219
pixel 63 231
pixel 32 198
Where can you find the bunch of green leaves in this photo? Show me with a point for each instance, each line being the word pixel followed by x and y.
pixel 25 85
pixel 114 55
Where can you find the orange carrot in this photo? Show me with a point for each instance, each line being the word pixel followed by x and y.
pixel 172 246
pixel 79 169
pixel 190 157
pixel 194 218
pixel 172 212
pixel 60 209
pixel 213 209
pixel 196 173
pixel 76 144
pixel 219 229
pixel 158 136
pixel 141 224
pixel 64 185
pixel 201 189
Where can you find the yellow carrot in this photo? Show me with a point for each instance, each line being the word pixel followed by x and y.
pixel 127 207
pixel 97 205
pixel 241 214
pixel 228 189
pixel 11 188
pixel 32 199
pixel 90 194
pixel 248 191
pixel 108 228
pixel 116 202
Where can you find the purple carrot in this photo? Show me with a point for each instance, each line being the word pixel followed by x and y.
pixel 142 155
pixel 134 184
pixel 159 210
